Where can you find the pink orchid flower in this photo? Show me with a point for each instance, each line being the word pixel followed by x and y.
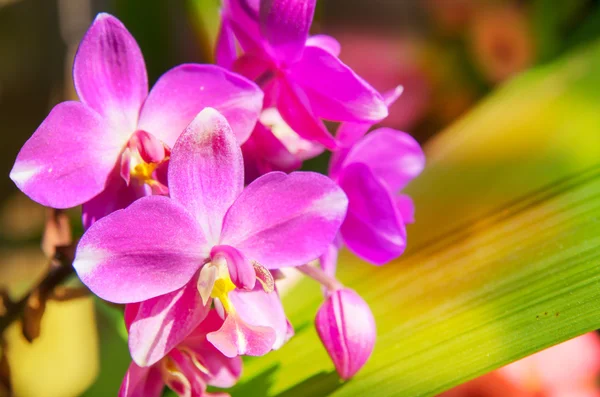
pixel 112 147
pixel 187 369
pixel 210 241
pixel 569 369
pixel 372 169
pixel 301 76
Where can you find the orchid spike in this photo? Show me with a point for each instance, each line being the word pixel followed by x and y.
pixel 346 327
pixel 113 146
pixel 204 244
pixel 187 369
pixel 301 76
pixel 372 172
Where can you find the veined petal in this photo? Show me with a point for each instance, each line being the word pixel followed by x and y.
pixel 373 228
pixel 236 337
pixel 295 109
pixel 393 156
pixel 285 25
pixel 68 159
pixel 206 171
pixel 163 322
pixel 243 17
pixel 328 43
pixel 334 90
pixel 261 308
pixel 240 269
pixel 182 92
pixel 142 382
pixel 109 73
pixel 148 249
pixel 303 216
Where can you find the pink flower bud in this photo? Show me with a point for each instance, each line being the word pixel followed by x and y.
pixel 347 329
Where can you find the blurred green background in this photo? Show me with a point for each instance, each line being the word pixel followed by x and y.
pixel 448 54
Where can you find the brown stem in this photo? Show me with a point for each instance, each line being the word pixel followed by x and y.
pixel 331 283
pixel 60 268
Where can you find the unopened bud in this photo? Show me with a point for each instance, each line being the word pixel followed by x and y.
pixel 346 327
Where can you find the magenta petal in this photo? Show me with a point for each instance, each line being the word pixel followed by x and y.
pixel 303 216
pixel 151 248
pixel 297 113
pixel 182 92
pixel 142 382
pixel 241 271
pixel 68 159
pixel 116 195
pixel 110 74
pixel 394 156
pixel 264 153
pixel 373 228
pixel 163 322
pixel 285 25
pixel 346 327
pixel 264 309
pixel 334 90
pixel 406 208
pixel 328 43
pixel 225 50
pixel 236 338
pixel 206 171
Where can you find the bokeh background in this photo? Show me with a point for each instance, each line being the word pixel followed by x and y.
pixel 448 55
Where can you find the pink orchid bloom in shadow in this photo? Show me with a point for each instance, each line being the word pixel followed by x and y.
pixel 112 147
pixel 569 369
pixel 210 241
pixel 187 369
pixel 301 76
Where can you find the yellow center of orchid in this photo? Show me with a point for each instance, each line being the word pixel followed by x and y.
pixel 221 289
pixel 143 172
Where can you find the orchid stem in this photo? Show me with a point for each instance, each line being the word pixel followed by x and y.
pixel 317 274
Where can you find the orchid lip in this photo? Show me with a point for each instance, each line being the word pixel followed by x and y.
pixel 141 158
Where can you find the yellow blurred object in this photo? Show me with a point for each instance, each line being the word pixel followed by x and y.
pixel 64 360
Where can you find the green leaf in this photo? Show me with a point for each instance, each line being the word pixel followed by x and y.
pixel 504 259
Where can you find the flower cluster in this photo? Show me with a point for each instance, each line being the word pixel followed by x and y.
pixel 189 201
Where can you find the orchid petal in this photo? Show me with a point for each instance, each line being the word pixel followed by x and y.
pixel 109 73
pixel 151 248
pixel 264 153
pixel 261 308
pixel 163 322
pixel 243 18
pixel 222 371
pixel 295 109
pixel 328 43
pixel 349 133
pixel 240 269
pixel 225 50
pixel 206 170
pixel 116 195
pixel 182 92
pixel 406 207
pixel 69 158
pixel 373 228
pixel 236 337
pixel 303 216
pixel 142 382
pixel 334 90
pixel 394 156
pixel 285 25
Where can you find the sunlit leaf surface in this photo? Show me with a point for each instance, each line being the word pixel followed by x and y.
pixel 504 259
